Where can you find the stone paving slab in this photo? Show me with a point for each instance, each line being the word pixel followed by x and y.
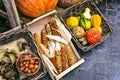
pixel 102 62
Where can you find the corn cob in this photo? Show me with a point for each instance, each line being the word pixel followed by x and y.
pixel 58 61
pixel 48 31
pixel 70 56
pixel 63 56
pixel 53 60
pixel 42 48
pixel 44 38
pixel 38 42
pixel 53 28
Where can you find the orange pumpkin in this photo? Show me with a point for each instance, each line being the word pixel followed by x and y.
pixel 35 8
pixel 93 36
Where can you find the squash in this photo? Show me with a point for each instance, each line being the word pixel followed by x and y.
pixel 83 22
pixel 35 8
pixel 93 36
pixel 78 31
pixel 87 13
pixel 51 5
pixel 72 21
pixel 67 3
pixel 96 20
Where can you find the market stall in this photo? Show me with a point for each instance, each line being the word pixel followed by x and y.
pixel 52 38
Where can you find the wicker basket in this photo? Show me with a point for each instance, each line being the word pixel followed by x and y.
pixel 16 34
pixel 106 28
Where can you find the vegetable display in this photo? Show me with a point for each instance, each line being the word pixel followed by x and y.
pixel 89 30
pixel 11 61
pixel 35 8
pixel 59 53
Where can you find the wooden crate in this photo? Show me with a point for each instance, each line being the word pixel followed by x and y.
pixel 11 13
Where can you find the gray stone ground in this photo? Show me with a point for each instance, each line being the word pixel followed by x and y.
pixel 102 62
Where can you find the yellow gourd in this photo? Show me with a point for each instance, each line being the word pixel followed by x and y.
pixel 96 20
pixel 72 21
pixel 100 29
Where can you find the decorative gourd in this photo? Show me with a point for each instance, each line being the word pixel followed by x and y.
pixel 96 20
pixel 93 36
pixel 35 8
pixel 67 3
pixel 87 13
pixel 78 31
pixel 72 21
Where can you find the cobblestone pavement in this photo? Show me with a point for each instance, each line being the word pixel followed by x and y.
pixel 102 62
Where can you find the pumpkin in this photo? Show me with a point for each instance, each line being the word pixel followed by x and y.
pixel 35 8
pixel 93 36
pixel 67 3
